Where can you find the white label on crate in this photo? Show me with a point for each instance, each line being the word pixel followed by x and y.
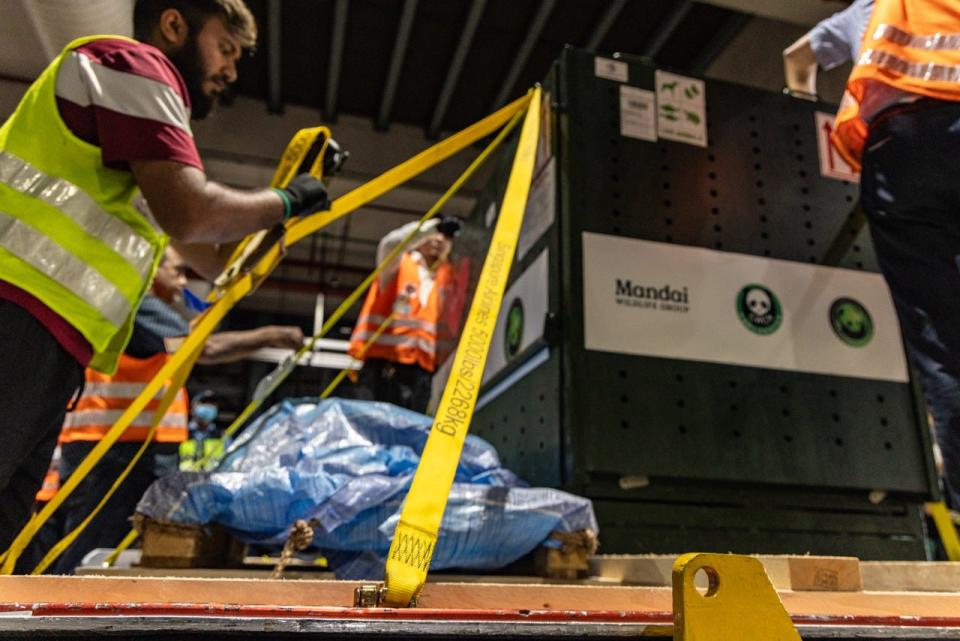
pixel 681 108
pixel 638 113
pixel 541 208
pixel 689 303
pixel 522 313
pixel 610 69
pixel 832 165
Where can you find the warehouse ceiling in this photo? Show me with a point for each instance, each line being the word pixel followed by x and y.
pixel 437 64
pixel 391 76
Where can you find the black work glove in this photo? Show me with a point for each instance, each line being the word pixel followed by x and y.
pixel 449 226
pixel 304 194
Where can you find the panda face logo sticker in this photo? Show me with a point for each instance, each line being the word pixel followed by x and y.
pixel 759 309
pixel 851 322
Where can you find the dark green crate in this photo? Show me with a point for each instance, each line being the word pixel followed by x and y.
pixel 588 420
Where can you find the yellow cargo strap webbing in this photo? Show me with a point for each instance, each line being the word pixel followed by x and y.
pixel 161 410
pixel 245 282
pixel 300 228
pixel 284 369
pixel 280 373
pixel 123 545
pixel 940 514
pixel 416 533
pixel 170 371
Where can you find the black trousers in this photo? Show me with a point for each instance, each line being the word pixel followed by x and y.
pixel 910 190
pixel 109 527
pixel 401 384
pixel 38 378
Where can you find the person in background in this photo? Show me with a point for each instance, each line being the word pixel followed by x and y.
pixel 899 124
pixel 104 130
pixel 423 291
pixel 203 450
pixel 158 331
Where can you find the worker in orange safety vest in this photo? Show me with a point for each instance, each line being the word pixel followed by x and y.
pixel 425 293
pixel 159 330
pixel 899 123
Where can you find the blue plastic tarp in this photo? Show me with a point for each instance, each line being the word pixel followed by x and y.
pixel 347 466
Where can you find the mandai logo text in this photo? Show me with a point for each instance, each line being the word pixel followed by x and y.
pixel 666 298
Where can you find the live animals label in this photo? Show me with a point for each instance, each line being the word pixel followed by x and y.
pixel 681 108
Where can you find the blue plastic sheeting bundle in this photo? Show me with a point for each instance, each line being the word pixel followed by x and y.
pixel 347 465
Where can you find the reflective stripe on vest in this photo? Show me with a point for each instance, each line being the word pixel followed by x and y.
pixel 401 340
pixel 906 39
pixel 408 323
pixel 919 70
pixel 52 260
pixel 78 205
pixel 70 233
pixel 83 418
pixel 127 391
pixel 907 54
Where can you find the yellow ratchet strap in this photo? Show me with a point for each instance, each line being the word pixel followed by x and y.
pixel 304 152
pixel 279 374
pixel 241 284
pixel 168 397
pixel 123 545
pixel 300 228
pixel 172 370
pixel 416 533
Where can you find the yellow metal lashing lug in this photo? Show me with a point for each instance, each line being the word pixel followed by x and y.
pixel 739 603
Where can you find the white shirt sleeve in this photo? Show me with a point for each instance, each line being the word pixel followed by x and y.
pixel 394 238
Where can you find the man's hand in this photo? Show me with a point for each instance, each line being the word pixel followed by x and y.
pixel 449 226
pixel 303 195
pixel 284 336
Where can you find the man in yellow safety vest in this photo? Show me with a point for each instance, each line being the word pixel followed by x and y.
pixel 105 128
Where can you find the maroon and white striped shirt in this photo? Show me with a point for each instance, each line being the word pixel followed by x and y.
pixel 129 100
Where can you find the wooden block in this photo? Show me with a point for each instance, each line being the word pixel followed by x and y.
pixel 913 576
pixel 568 561
pixel 821 573
pixel 816 573
pixel 172 545
pixel 634 569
